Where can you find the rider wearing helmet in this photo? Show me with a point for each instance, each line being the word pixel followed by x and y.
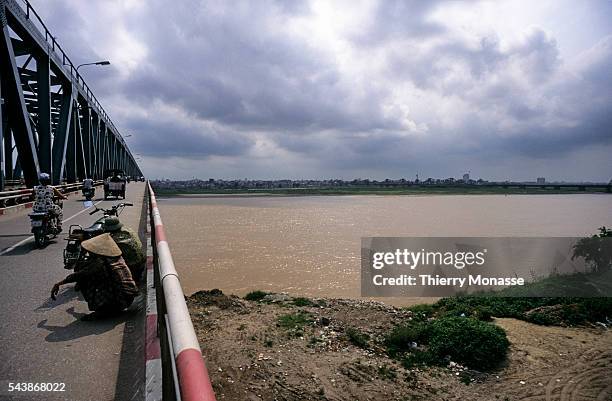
pixel 43 198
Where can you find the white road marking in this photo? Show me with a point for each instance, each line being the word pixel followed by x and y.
pixel 11 248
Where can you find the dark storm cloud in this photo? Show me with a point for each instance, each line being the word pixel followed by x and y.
pixel 399 19
pixel 212 78
pixel 241 70
pixel 165 138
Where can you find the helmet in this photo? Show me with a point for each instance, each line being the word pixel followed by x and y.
pixel 44 179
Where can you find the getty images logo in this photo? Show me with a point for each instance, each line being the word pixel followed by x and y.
pixel 412 259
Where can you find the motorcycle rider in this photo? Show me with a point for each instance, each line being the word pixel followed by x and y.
pixel 87 183
pixel 43 199
pixel 88 186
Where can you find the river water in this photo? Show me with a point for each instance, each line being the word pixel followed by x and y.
pixel 310 245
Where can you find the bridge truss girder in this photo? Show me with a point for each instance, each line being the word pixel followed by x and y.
pixel 51 121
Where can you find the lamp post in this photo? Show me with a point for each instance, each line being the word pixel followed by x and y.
pixel 104 62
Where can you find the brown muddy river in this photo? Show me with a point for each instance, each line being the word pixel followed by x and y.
pixel 310 245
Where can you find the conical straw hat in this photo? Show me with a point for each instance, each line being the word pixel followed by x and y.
pixel 102 245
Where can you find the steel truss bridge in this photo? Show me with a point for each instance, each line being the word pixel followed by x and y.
pixel 51 120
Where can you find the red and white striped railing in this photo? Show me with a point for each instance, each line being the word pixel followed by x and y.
pixel 192 375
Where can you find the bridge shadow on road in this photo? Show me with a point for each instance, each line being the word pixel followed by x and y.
pixel 25 248
pixel 79 328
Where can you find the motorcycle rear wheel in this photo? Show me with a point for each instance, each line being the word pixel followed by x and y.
pixel 40 238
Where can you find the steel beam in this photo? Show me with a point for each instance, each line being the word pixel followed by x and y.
pixel 81 169
pixel 60 142
pixel 16 107
pixel 44 113
pixel 71 160
pixel 52 132
pixel 2 132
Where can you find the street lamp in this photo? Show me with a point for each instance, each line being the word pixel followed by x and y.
pixel 104 62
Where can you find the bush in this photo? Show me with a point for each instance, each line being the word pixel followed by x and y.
pixel 357 337
pixel 255 295
pixel 401 337
pixel 470 342
pixel 541 310
pixel 301 301
pixel 294 320
pixel 422 311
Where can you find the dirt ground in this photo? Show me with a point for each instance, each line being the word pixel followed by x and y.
pixel 252 355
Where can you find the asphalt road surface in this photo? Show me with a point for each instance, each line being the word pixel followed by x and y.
pixel 43 341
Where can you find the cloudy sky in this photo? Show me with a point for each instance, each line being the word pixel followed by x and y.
pixel 347 89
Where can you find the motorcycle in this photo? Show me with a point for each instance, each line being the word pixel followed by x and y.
pixel 77 234
pixel 44 226
pixel 89 193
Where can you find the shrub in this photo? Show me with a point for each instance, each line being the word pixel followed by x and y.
pixel 357 337
pixel 470 342
pixel 401 337
pixel 301 301
pixel 255 295
pixel 422 310
pixel 294 320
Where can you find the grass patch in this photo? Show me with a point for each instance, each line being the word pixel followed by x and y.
pixel 293 321
pixel 357 337
pixel 255 295
pixel 301 301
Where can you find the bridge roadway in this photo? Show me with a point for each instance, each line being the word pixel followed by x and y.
pixel 43 340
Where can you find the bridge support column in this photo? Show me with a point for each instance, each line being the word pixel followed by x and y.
pixel 2 130
pixel 71 159
pixel 60 142
pixel 44 113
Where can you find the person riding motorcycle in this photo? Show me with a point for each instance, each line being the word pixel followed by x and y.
pixel 44 195
pixel 88 189
pixel 88 183
pixel 130 245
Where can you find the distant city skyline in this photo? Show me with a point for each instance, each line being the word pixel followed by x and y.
pixel 508 90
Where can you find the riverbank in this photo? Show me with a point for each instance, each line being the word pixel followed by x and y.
pixel 283 348
pixel 415 190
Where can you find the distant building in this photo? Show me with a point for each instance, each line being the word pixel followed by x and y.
pixel 541 180
pixel 466 177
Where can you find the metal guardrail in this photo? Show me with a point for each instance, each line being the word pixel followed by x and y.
pixel 17 197
pixel 183 367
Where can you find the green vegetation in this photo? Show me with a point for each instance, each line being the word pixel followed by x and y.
pixel 255 295
pixel 413 190
pixel 357 337
pixel 301 301
pixel 406 337
pixel 468 341
pixel 596 250
pixel 560 311
pixel 294 321
pixel 422 311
